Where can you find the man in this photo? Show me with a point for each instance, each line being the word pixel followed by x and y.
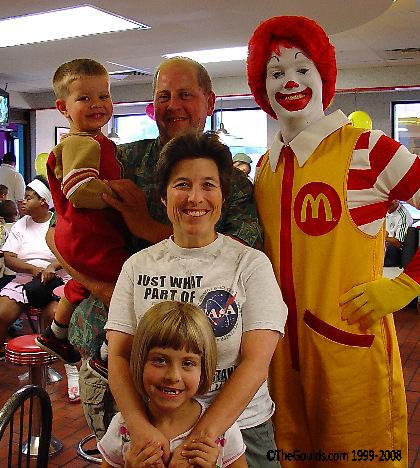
pixel 322 191
pixel 183 98
pixel 242 162
pixel 12 179
pixel 398 220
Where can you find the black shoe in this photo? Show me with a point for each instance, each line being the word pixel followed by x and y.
pixel 99 367
pixel 62 349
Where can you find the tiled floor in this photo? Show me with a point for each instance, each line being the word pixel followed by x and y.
pixel 69 424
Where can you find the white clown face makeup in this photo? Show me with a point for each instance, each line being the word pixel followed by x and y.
pixel 294 86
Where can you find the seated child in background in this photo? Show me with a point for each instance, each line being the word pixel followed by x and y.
pixel 173 361
pixel 89 235
pixel 3 192
pixel 8 216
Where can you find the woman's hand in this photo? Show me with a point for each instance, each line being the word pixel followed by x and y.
pixel 202 451
pixel 47 274
pixel 36 271
pixel 150 455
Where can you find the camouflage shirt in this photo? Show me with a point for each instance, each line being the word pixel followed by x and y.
pixel 139 159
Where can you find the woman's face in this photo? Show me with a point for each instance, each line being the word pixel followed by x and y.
pixel 194 201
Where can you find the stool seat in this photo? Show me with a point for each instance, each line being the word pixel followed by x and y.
pixel 25 352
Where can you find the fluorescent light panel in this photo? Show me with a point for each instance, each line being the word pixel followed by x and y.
pixel 214 55
pixel 64 23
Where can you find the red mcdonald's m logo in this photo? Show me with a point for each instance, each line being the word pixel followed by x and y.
pixel 317 208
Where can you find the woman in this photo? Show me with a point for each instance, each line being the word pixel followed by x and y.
pixel 233 284
pixel 27 254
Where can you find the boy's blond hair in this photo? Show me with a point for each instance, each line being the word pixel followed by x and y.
pixel 73 70
pixel 173 324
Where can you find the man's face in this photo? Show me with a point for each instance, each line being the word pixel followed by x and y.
pixel 242 166
pixel 294 85
pixel 180 104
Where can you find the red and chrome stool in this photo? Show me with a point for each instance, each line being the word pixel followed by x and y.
pixel 23 351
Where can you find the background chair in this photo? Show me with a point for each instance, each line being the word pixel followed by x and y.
pixel 26 414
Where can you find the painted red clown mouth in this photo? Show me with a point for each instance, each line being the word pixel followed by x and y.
pixel 293 102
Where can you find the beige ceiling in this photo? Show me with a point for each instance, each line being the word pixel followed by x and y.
pixel 365 33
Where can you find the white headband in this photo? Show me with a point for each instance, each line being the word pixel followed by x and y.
pixel 42 190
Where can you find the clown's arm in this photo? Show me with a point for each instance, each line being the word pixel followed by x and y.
pixel 367 303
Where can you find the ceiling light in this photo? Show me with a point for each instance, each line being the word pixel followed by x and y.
pixel 64 23
pixel 214 55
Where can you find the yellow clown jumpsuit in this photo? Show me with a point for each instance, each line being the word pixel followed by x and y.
pixel 336 388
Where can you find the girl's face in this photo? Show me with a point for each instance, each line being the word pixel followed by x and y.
pixel 171 378
pixel 194 201
pixel 31 202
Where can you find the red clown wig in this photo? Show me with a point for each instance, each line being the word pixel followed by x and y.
pixel 300 32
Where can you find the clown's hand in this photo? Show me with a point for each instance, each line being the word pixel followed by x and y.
pixel 369 302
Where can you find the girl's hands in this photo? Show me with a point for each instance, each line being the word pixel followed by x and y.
pixel 47 274
pixel 202 451
pixel 150 455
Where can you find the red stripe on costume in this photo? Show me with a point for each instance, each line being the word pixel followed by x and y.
pixel 363 141
pixel 379 157
pixel 368 213
pixel 77 177
pixel 408 185
pixel 286 266
pixel 335 334
pixel 413 268
pixel 260 161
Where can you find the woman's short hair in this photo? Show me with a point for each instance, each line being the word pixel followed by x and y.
pixel 173 324
pixel 192 146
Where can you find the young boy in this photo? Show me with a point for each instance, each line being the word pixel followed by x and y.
pixel 3 192
pixel 89 235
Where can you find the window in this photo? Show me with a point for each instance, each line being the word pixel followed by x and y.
pixel 406 130
pixel 135 127
pixel 246 132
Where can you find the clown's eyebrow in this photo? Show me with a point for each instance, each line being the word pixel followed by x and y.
pixel 297 53
pixel 275 57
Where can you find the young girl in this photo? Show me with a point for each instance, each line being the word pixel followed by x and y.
pixel 173 359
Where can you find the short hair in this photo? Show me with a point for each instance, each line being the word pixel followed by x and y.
pixel 9 158
pixel 73 70
pixel 173 324
pixel 203 77
pixel 193 146
pixel 8 210
pixel 3 190
pixel 297 31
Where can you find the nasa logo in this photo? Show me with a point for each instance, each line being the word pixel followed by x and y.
pixel 317 208
pixel 222 311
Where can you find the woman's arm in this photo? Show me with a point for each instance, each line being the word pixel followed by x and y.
pixel 128 400
pixel 19 266
pixel 256 352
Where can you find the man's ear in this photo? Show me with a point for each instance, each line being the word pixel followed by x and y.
pixel 211 101
pixel 60 104
pixel 164 201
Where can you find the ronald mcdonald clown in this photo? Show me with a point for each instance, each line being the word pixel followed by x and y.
pixel 322 193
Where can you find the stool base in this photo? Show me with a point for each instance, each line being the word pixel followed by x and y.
pixel 55 446
pixel 53 375
pixel 88 454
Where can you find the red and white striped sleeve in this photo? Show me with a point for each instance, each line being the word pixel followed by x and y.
pixel 382 170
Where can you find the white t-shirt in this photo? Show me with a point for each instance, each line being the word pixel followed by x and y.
pixel 116 442
pixel 232 283
pixel 14 182
pixel 27 240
